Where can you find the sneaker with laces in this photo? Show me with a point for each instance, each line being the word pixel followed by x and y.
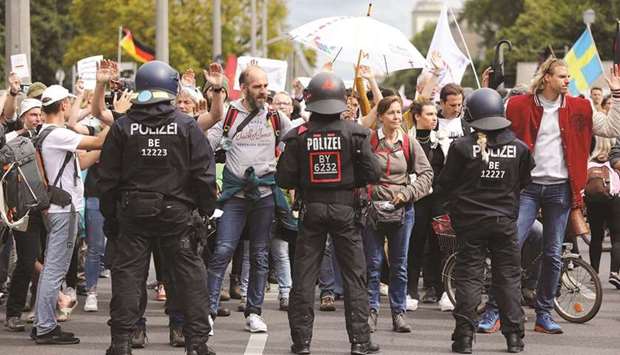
pixel 546 324
pixel 90 305
pixel 412 304
pixel 255 324
pixel 14 324
pixel 614 279
pixel 489 322
pixel 445 305
pixel 327 304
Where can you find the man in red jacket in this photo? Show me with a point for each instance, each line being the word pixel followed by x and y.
pixel 558 130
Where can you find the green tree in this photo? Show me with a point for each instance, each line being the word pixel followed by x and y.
pixel 96 28
pixel 539 24
pixel 49 29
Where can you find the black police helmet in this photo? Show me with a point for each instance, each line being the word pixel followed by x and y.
pixel 156 81
pixel 326 94
pixel 484 110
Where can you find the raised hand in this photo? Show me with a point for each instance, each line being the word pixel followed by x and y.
pixel 614 79
pixel 107 70
pixel 366 72
pixel 215 75
pixel 486 77
pixel 14 83
pixel 123 103
pixel 189 78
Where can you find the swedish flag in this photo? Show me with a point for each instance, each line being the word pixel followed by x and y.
pixel 584 64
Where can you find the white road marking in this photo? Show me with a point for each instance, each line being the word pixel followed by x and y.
pixel 256 344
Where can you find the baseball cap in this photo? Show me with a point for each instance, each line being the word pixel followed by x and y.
pixel 54 93
pixel 36 89
pixel 27 105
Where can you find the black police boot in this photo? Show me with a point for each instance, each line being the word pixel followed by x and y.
pixel 121 345
pixel 514 342
pixel 199 349
pixel 138 337
pixel 364 348
pixel 300 348
pixel 177 339
pixel 462 344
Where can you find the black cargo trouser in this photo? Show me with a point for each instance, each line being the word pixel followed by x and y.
pixel 316 220
pixel 28 248
pixel 129 265
pixel 499 235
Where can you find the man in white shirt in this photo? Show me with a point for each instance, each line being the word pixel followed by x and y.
pixel 62 167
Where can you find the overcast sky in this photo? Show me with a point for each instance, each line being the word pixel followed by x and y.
pixel 393 12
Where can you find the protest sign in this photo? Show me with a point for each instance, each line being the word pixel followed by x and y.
pixel 275 69
pixel 87 71
pixel 19 65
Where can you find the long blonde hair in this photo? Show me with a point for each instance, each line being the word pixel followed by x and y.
pixel 482 143
pixel 547 67
pixel 602 147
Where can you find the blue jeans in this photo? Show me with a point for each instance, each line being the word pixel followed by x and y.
pixel 398 247
pixel 95 240
pixel 237 212
pixel 330 279
pixel 555 202
pixel 282 264
pixel 60 244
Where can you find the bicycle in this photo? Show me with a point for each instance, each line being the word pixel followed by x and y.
pixel 580 293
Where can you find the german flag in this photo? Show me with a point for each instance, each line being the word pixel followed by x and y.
pixel 135 48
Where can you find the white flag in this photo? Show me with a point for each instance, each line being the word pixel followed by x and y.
pixel 445 51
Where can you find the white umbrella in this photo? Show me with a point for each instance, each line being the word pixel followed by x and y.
pixel 384 47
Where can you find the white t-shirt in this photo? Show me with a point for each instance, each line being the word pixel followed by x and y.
pixel 54 149
pixel 548 153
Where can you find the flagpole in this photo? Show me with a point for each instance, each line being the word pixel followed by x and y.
pixel 597 56
pixel 120 38
pixel 466 49
pixel 359 56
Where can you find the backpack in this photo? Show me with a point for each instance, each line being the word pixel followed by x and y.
pixel 374 143
pixel 23 184
pixel 231 115
pixel 598 184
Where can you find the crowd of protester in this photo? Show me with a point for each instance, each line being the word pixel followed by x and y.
pixel 44 272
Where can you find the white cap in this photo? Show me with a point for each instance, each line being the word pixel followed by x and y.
pixel 27 105
pixel 54 93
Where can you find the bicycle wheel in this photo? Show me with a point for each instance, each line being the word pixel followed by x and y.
pixel 580 293
pixel 447 276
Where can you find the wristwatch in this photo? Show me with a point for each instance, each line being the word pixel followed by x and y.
pixel 217 88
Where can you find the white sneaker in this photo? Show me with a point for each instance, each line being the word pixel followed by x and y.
pixel 105 274
pixel 412 304
pixel 383 289
pixel 212 332
pixel 255 324
pixel 70 291
pixel 91 303
pixel 445 305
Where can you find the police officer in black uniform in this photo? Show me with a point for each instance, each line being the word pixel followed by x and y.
pixel 325 160
pixel 157 181
pixel 482 179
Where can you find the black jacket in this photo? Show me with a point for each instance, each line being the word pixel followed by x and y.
pixel 356 167
pixel 476 190
pixel 156 148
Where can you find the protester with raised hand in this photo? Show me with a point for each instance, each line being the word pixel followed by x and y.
pixel 107 72
pixel 215 89
pixel 10 103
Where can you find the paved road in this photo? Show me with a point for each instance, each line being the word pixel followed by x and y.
pixel 431 334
